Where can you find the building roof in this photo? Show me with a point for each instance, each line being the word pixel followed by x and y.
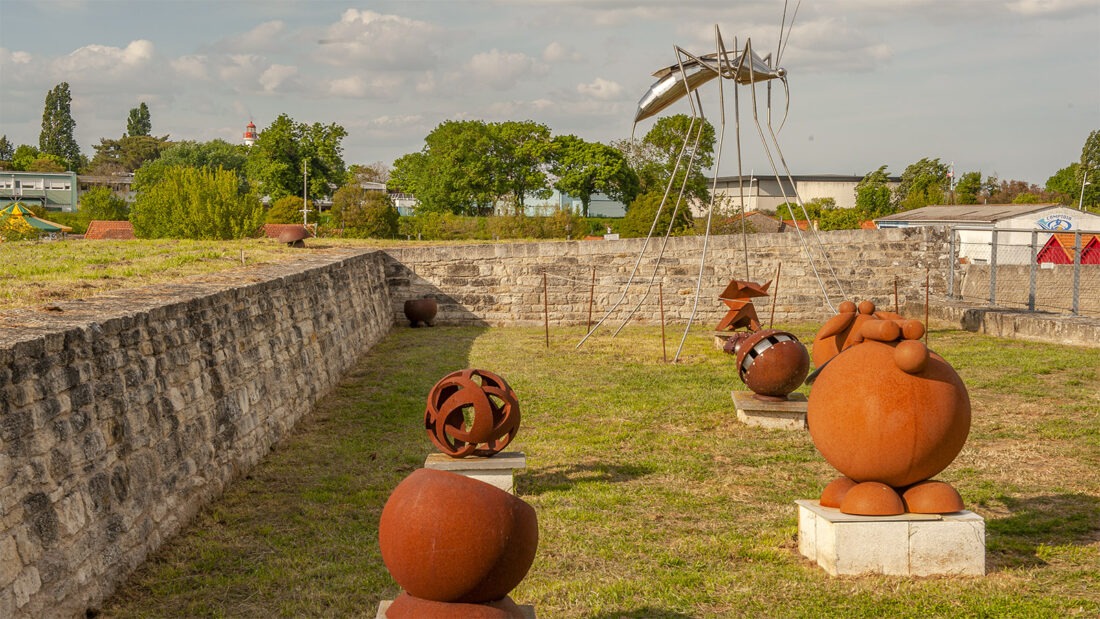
pixel 115 230
pixel 1059 249
pixel 803 178
pixel 968 213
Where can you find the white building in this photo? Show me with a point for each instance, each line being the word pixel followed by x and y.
pixel 767 193
pixel 1014 224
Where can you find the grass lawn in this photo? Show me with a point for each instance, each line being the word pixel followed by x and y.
pixel 653 501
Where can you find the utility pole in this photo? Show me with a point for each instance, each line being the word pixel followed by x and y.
pixel 305 192
pixel 1084 181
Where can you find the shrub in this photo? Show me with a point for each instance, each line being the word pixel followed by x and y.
pixel 196 203
pixel 640 215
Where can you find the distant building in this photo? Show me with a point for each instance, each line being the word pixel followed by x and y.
pixel 54 191
pixel 767 194
pixel 250 134
pixel 599 205
pixel 1014 224
pixel 119 184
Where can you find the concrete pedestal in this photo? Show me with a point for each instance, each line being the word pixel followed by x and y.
pixel 498 470
pixel 905 545
pixel 789 415
pixel 527 610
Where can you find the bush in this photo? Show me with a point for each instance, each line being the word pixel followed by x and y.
pixel 196 203
pixel 288 210
pixel 100 203
pixel 449 227
pixel 640 215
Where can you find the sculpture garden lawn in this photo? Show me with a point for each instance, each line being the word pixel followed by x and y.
pixel 653 501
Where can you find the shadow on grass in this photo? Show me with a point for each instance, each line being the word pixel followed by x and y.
pixel 1048 520
pixel 557 478
pixel 641 613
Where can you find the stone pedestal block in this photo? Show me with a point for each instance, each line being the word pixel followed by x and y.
pixel 789 415
pixel 497 470
pixel 905 545
pixel 527 610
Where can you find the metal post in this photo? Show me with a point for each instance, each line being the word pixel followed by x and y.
pixel 993 269
pixel 661 304
pixel 1076 271
pixel 1033 270
pixel 951 262
pixel 546 309
pixel 591 298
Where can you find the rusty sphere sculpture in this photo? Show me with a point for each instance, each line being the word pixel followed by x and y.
pixel 448 538
pixel 471 412
pixel 772 363
pixel 421 311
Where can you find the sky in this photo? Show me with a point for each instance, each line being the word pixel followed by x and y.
pixel 1006 87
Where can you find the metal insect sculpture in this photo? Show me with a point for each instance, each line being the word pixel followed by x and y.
pixel 682 80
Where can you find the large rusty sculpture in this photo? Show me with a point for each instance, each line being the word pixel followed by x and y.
pixel 771 363
pixel 887 413
pixel 420 311
pixel 456 546
pixel 471 412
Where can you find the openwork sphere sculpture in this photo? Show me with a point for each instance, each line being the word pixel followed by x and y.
pixel 771 363
pixel 471 412
pixel 450 542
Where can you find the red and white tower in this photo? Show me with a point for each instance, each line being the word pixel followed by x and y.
pixel 250 134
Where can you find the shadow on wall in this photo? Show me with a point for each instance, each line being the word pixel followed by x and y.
pixel 404 284
pixel 1039 525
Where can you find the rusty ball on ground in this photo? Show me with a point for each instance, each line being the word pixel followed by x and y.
pixel 872 498
pixel 471 412
pixel 421 310
pixel 932 497
pixel 295 237
pixel 872 421
pixel 772 363
pixel 448 538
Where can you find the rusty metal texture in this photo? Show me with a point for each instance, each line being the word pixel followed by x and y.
pixel 771 363
pixel 421 311
pixel 887 410
pixel 471 412
pixel 741 313
pixel 295 237
pixel 448 538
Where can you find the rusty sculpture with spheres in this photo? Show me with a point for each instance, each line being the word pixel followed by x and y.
pixel 471 412
pixel 886 412
pixel 456 546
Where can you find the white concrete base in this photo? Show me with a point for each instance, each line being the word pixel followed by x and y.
pixel 383 606
pixel 497 470
pixel 905 545
pixel 789 415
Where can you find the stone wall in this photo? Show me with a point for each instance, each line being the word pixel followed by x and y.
pixel 121 417
pixel 502 284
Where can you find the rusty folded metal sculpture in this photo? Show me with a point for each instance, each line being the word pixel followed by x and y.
pixel 887 413
pixel 471 412
pixel 457 546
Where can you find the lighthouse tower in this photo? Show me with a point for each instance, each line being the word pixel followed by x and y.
pixel 250 134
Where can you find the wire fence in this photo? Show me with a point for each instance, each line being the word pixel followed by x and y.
pixel 1036 270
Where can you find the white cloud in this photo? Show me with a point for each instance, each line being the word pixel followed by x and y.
pixel 275 76
pixel 512 109
pixel 398 42
pixel 604 90
pixel 1033 8
pixel 834 45
pixel 11 57
pixel 268 36
pixel 556 52
pixel 192 67
pixel 381 86
pixel 104 59
pixel 501 70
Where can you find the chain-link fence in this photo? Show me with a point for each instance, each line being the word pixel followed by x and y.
pixel 1036 270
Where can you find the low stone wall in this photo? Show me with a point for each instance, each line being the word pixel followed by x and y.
pixel 121 417
pixel 502 284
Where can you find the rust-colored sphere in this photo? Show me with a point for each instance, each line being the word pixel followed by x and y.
pixel 471 412
pixel 833 494
pixel 448 538
pixel 875 422
pixel 872 499
pixel 772 363
pixel 421 311
pixel 932 497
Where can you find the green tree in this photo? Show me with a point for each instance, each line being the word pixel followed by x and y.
pixel 518 158
pixel 922 183
pixel 969 188
pixel 655 157
pixel 209 155
pixel 1064 183
pixel 196 203
pixel 139 123
pixel 639 217
pixel 58 127
pixel 46 163
pixel 7 150
pixel 100 203
pixel 363 213
pixel 127 153
pixel 453 172
pixel 283 151
pixel 24 156
pixel 288 210
pixel 1088 177
pixel 377 172
pixel 584 168
pixel 873 196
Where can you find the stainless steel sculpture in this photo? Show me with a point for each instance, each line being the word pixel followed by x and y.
pixel 682 80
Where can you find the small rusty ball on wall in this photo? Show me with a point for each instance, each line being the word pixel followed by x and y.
pixel 471 412
pixel 448 538
pixel 421 310
pixel 772 363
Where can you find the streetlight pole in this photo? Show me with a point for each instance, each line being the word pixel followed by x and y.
pixel 305 193
pixel 1084 181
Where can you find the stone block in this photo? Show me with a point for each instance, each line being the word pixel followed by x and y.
pixel 497 470
pixel 903 545
pixel 789 415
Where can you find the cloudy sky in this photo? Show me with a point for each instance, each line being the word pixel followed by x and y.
pixel 1007 87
